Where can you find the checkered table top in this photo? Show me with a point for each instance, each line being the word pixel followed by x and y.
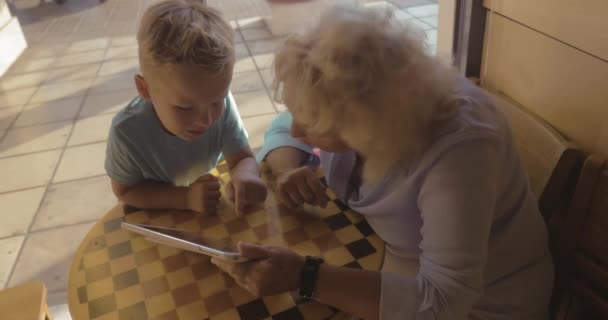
pixel 116 274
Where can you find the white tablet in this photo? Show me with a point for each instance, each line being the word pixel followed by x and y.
pixel 186 240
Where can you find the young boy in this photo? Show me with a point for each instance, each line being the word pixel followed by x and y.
pixel 163 144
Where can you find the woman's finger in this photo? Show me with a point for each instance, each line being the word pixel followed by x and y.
pixel 295 196
pixel 286 199
pixel 253 251
pixel 307 194
pixel 319 190
pixel 234 269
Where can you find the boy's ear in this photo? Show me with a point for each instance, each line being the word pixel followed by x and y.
pixel 142 86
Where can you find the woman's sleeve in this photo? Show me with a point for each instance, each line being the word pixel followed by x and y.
pixel 278 136
pixel 457 201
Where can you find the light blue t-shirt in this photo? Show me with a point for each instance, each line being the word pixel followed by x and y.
pixel 140 149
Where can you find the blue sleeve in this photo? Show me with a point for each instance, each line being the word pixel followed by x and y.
pixel 119 164
pixel 234 136
pixel 278 136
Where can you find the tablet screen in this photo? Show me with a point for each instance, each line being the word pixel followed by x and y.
pixel 225 245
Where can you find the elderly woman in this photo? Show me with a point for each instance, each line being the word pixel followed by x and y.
pixel 424 156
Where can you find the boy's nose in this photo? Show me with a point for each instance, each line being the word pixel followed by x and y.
pixel 204 118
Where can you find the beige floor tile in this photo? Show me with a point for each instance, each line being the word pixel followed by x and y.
pixel 62 90
pixel 402 15
pixel 123 41
pixel 88 45
pixel 44 51
pixel 60 312
pixel 35 138
pixel 241 51
pixel 9 249
pixel 16 98
pixel 112 83
pixel 32 170
pixel 256 33
pixel 423 11
pixel 20 208
pixel 253 22
pixel 432 21
pixel 47 256
pixel 121 66
pixel 82 162
pixel 238 38
pixel 27 64
pixel 73 73
pixel 264 46
pixel 256 128
pixel 75 202
pixel 244 64
pixel 264 60
pixel 246 82
pixel 381 6
pixel 418 24
pixel 107 103
pixel 121 52
pixel 268 77
pixel 92 129
pixel 253 103
pixel 85 57
pixel 19 81
pixel 50 111
pixel 7 116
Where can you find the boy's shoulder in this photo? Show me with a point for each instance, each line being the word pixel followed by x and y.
pixel 134 116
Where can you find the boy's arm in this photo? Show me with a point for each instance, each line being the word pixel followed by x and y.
pixel 149 194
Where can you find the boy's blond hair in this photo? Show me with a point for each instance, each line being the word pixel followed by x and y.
pixel 185 32
pixel 366 77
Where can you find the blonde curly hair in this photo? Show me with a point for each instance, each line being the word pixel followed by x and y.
pixel 366 77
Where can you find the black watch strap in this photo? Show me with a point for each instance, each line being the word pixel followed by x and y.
pixel 308 276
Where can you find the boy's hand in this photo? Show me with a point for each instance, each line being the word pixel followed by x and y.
pixel 245 190
pixel 299 186
pixel 204 194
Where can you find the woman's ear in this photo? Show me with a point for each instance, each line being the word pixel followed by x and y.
pixel 142 86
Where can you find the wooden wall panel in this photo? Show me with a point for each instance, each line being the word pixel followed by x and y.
pixel 580 23
pixel 563 85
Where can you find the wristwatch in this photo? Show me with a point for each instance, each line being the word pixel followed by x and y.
pixel 308 276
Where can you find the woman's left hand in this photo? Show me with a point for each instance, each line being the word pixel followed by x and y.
pixel 272 270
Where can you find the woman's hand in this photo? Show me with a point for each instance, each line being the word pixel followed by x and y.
pixel 272 270
pixel 299 186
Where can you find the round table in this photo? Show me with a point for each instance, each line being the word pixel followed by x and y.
pixel 116 274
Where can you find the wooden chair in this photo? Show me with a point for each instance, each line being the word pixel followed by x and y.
pixel 552 163
pixel 25 302
pixel 581 288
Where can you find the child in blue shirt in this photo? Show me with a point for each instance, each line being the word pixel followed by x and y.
pixel 163 144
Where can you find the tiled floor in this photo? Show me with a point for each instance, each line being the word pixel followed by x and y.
pixel 56 104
